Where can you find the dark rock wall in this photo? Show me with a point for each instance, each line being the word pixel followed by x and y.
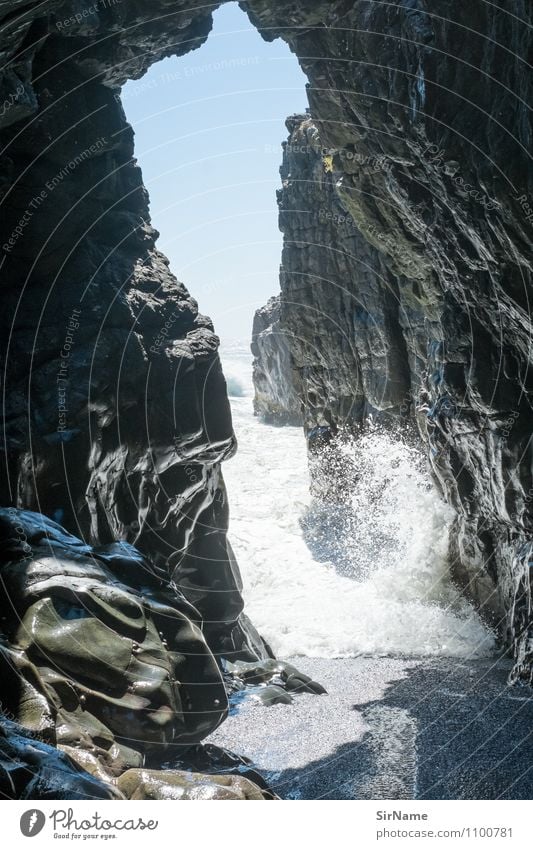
pixel 276 398
pixel 116 412
pixel 339 306
pixel 116 421
pixel 422 108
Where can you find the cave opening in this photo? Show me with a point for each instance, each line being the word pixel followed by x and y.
pixel 126 629
pixel 208 132
pixel 209 128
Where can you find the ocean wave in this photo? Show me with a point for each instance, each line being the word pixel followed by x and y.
pixel 369 575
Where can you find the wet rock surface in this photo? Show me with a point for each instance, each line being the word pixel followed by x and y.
pixel 32 769
pixel 105 661
pixel 270 682
pixel 103 657
pixel 393 729
pixel 150 784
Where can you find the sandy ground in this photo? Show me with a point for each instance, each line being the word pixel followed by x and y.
pixel 393 729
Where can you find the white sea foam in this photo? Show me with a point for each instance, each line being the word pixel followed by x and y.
pixel 369 576
pixel 236 389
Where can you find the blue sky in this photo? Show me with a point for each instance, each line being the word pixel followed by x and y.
pixel 209 128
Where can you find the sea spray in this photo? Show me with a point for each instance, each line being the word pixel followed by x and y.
pixel 364 575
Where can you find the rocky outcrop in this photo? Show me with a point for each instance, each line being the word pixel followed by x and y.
pixel 116 411
pixel 365 341
pixel 437 93
pixel 276 398
pixel 104 660
pixel 337 310
pixel 400 319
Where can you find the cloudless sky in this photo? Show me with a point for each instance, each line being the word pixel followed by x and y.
pixel 208 129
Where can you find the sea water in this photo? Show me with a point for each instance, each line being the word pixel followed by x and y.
pixel 369 575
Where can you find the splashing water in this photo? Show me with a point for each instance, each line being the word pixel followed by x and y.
pixel 367 576
pixel 235 387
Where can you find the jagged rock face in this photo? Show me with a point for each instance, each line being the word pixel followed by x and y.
pixel 339 305
pixel 116 408
pixel 361 342
pixel 276 398
pixel 421 107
